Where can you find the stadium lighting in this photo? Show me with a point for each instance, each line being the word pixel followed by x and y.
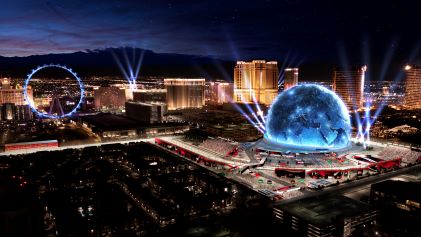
pixel 257 122
pixel 132 69
pixel 360 135
pixel 259 110
pixel 257 125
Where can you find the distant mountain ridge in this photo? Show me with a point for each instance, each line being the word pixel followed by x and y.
pixel 101 63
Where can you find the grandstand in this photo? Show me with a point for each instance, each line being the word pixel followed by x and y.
pixel 311 160
pixel 220 146
pixel 407 155
pixel 285 167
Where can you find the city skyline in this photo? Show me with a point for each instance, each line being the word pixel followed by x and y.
pixel 124 118
pixel 102 63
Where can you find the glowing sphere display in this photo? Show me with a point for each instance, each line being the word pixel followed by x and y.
pixel 308 117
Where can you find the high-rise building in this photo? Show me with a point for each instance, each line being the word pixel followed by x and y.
pixel 150 95
pixel 400 200
pixel 397 194
pixel 289 79
pixel 5 83
pixel 14 95
pixel 349 85
pixel 109 98
pixel 8 111
pixel 24 113
pixel 332 215
pixel 219 92
pixel 12 112
pixel 413 87
pixel 256 81
pixel 185 93
pixel 146 112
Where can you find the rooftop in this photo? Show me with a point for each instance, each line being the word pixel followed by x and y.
pixel 326 210
pixel 114 122
pixel 150 104
pixel 410 190
pixel 110 121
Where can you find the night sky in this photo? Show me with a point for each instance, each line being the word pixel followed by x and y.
pixel 293 30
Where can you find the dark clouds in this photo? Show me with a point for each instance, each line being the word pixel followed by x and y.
pixel 307 30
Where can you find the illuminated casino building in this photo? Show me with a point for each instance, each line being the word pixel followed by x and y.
pixel 219 92
pixel 13 95
pixel 12 112
pixel 13 106
pixel 183 93
pixel 349 85
pixel 8 111
pixel 150 95
pixel 256 82
pixel 109 98
pixel 23 113
pixel 413 87
pixel 290 78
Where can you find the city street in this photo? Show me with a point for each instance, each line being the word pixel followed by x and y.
pixel 355 185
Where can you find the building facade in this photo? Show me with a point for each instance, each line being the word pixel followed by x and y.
pixel 150 95
pixel 14 95
pixel 399 203
pixel 256 82
pixel 398 195
pixel 328 216
pixel 12 112
pixel 219 92
pixel 289 79
pixel 413 87
pixel 109 98
pixel 146 112
pixel 237 132
pixel 185 93
pixel 349 85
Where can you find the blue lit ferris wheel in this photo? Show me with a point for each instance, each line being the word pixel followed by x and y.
pixel 50 114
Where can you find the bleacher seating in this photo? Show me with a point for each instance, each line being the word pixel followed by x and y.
pixel 407 155
pixel 219 146
pixel 239 149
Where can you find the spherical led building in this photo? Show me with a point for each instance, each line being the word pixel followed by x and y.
pixel 308 117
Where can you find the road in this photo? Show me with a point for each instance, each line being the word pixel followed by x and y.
pixel 28 151
pixel 357 185
pixel 345 187
pixel 274 178
pixel 204 152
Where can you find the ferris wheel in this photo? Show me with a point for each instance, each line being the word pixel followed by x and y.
pixel 55 110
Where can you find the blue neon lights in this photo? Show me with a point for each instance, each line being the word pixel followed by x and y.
pixel 46 115
pixel 308 116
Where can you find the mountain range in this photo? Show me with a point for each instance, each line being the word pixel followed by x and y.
pixel 102 63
